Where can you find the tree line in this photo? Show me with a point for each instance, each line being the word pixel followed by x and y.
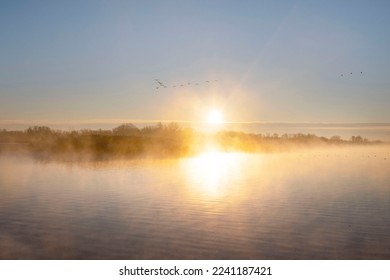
pixel 161 139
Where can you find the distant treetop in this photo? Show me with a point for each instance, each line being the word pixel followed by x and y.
pixel 126 129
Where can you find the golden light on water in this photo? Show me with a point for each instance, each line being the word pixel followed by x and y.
pixel 211 172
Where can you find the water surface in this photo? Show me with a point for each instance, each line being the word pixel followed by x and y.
pixel 328 204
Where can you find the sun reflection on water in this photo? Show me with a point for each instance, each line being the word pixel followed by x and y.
pixel 211 173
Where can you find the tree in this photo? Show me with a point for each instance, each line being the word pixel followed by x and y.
pixel 335 138
pixel 172 127
pixel 356 139
pixel 39 130
pixel 126 130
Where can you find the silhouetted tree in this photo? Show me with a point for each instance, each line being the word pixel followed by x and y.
pixel 335 138
pixel 126 130
pixel 39 130
pixel 172 127
pixel 356 139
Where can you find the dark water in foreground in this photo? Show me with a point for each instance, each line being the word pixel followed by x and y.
pixel 330 204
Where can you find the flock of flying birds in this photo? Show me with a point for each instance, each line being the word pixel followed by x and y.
pixel 162 85
pixel 342 75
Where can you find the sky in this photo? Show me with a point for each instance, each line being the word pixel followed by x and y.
pixel 96 61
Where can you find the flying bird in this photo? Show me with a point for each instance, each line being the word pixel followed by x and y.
pixel 160 83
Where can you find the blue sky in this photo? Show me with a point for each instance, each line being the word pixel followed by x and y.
pixel 275 60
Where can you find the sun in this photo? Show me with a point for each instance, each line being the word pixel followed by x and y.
pixel 214 117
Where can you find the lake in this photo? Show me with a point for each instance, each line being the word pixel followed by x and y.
pixel 307 204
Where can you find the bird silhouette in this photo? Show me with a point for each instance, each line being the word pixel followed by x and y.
pixel 160 83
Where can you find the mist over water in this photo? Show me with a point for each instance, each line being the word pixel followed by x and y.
pixel 372 131
pixel 330 203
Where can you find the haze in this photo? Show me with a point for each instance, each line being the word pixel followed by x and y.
pixel 74 61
